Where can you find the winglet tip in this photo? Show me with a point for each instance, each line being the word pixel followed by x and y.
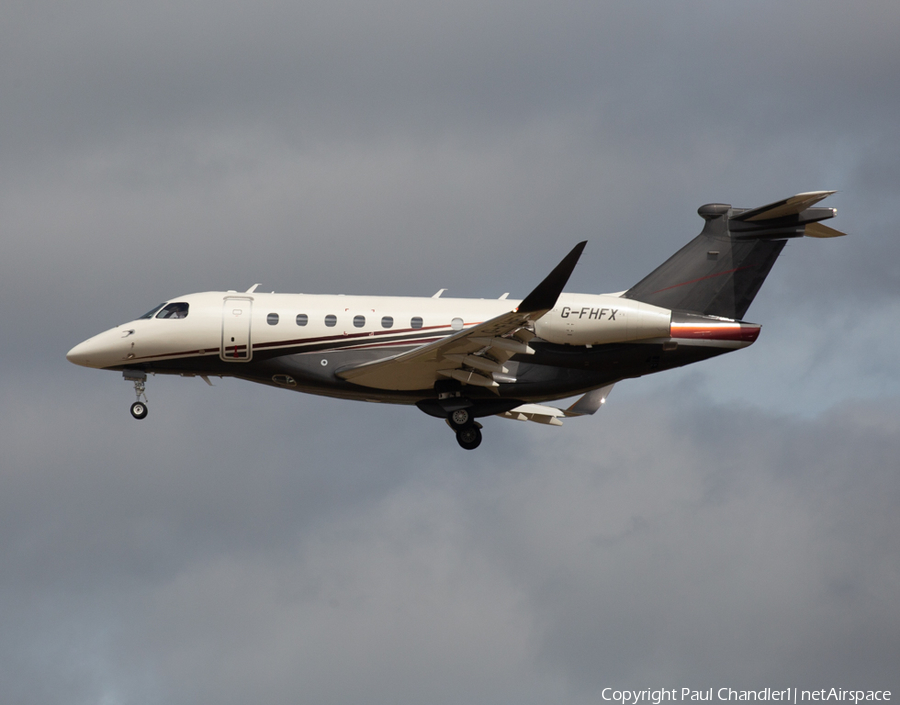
pixel 544 296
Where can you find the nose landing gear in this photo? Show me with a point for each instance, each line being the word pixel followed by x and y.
pixel 139 377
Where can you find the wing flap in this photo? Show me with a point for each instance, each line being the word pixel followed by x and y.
pixel 421 367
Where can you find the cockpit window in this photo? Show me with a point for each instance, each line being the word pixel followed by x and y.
pixel 152 311
pixel 176 310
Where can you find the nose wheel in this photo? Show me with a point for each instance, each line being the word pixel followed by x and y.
pixel 139 408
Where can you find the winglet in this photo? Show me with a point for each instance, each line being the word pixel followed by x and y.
pixel 545 294
pixel 590 402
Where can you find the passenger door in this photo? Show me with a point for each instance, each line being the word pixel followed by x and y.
pixel 236 316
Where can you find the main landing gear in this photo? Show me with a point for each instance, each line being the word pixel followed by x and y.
pixel 139 377
pixel 469 437
pixel 468 431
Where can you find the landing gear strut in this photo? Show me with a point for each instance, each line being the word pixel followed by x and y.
pixel 456 410
pixel 139 408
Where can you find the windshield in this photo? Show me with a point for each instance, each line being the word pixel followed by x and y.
pixel 152 311
pixel 176 310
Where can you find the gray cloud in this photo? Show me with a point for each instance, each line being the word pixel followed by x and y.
pixel 678 543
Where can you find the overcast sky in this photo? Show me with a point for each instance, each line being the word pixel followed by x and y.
pixel 729 524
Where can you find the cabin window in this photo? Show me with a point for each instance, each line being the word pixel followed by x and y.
pixel 272 319
pixel 331 320
pixel 456 323
pixel 416 322
pixel 359 321
pixel 176 310
pixel 302 319
pixel 387 322
pixel 152 312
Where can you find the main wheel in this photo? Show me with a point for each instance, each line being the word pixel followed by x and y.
pixel 469 437
pixel 139 410
pixel 460 418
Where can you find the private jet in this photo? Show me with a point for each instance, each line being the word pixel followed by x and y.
pixel 466 359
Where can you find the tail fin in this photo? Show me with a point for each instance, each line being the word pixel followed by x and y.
pixel 720 271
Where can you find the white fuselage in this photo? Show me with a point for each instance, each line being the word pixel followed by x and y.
pixel 270 321
pixel 235 325
pixel 308 342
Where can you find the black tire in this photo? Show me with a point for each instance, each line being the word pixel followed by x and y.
pixel 139 410
pixel 460 418
pixel 469 437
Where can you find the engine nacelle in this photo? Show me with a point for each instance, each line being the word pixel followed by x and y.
pixel 589 319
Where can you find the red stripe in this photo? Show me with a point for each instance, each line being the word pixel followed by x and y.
pixel 309 341
pixel 694 281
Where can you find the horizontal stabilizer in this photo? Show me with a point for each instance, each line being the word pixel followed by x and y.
pixel 819 230
pixel 789 206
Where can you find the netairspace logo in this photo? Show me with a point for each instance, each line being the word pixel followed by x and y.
pixel 651 696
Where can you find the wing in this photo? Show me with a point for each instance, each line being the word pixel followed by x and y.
pixel 541 413
pixel 474 356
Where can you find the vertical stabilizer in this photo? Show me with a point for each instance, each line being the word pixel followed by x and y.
pixel 720 271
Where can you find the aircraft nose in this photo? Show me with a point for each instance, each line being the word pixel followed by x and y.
pixel 80 354
pixel 100 351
